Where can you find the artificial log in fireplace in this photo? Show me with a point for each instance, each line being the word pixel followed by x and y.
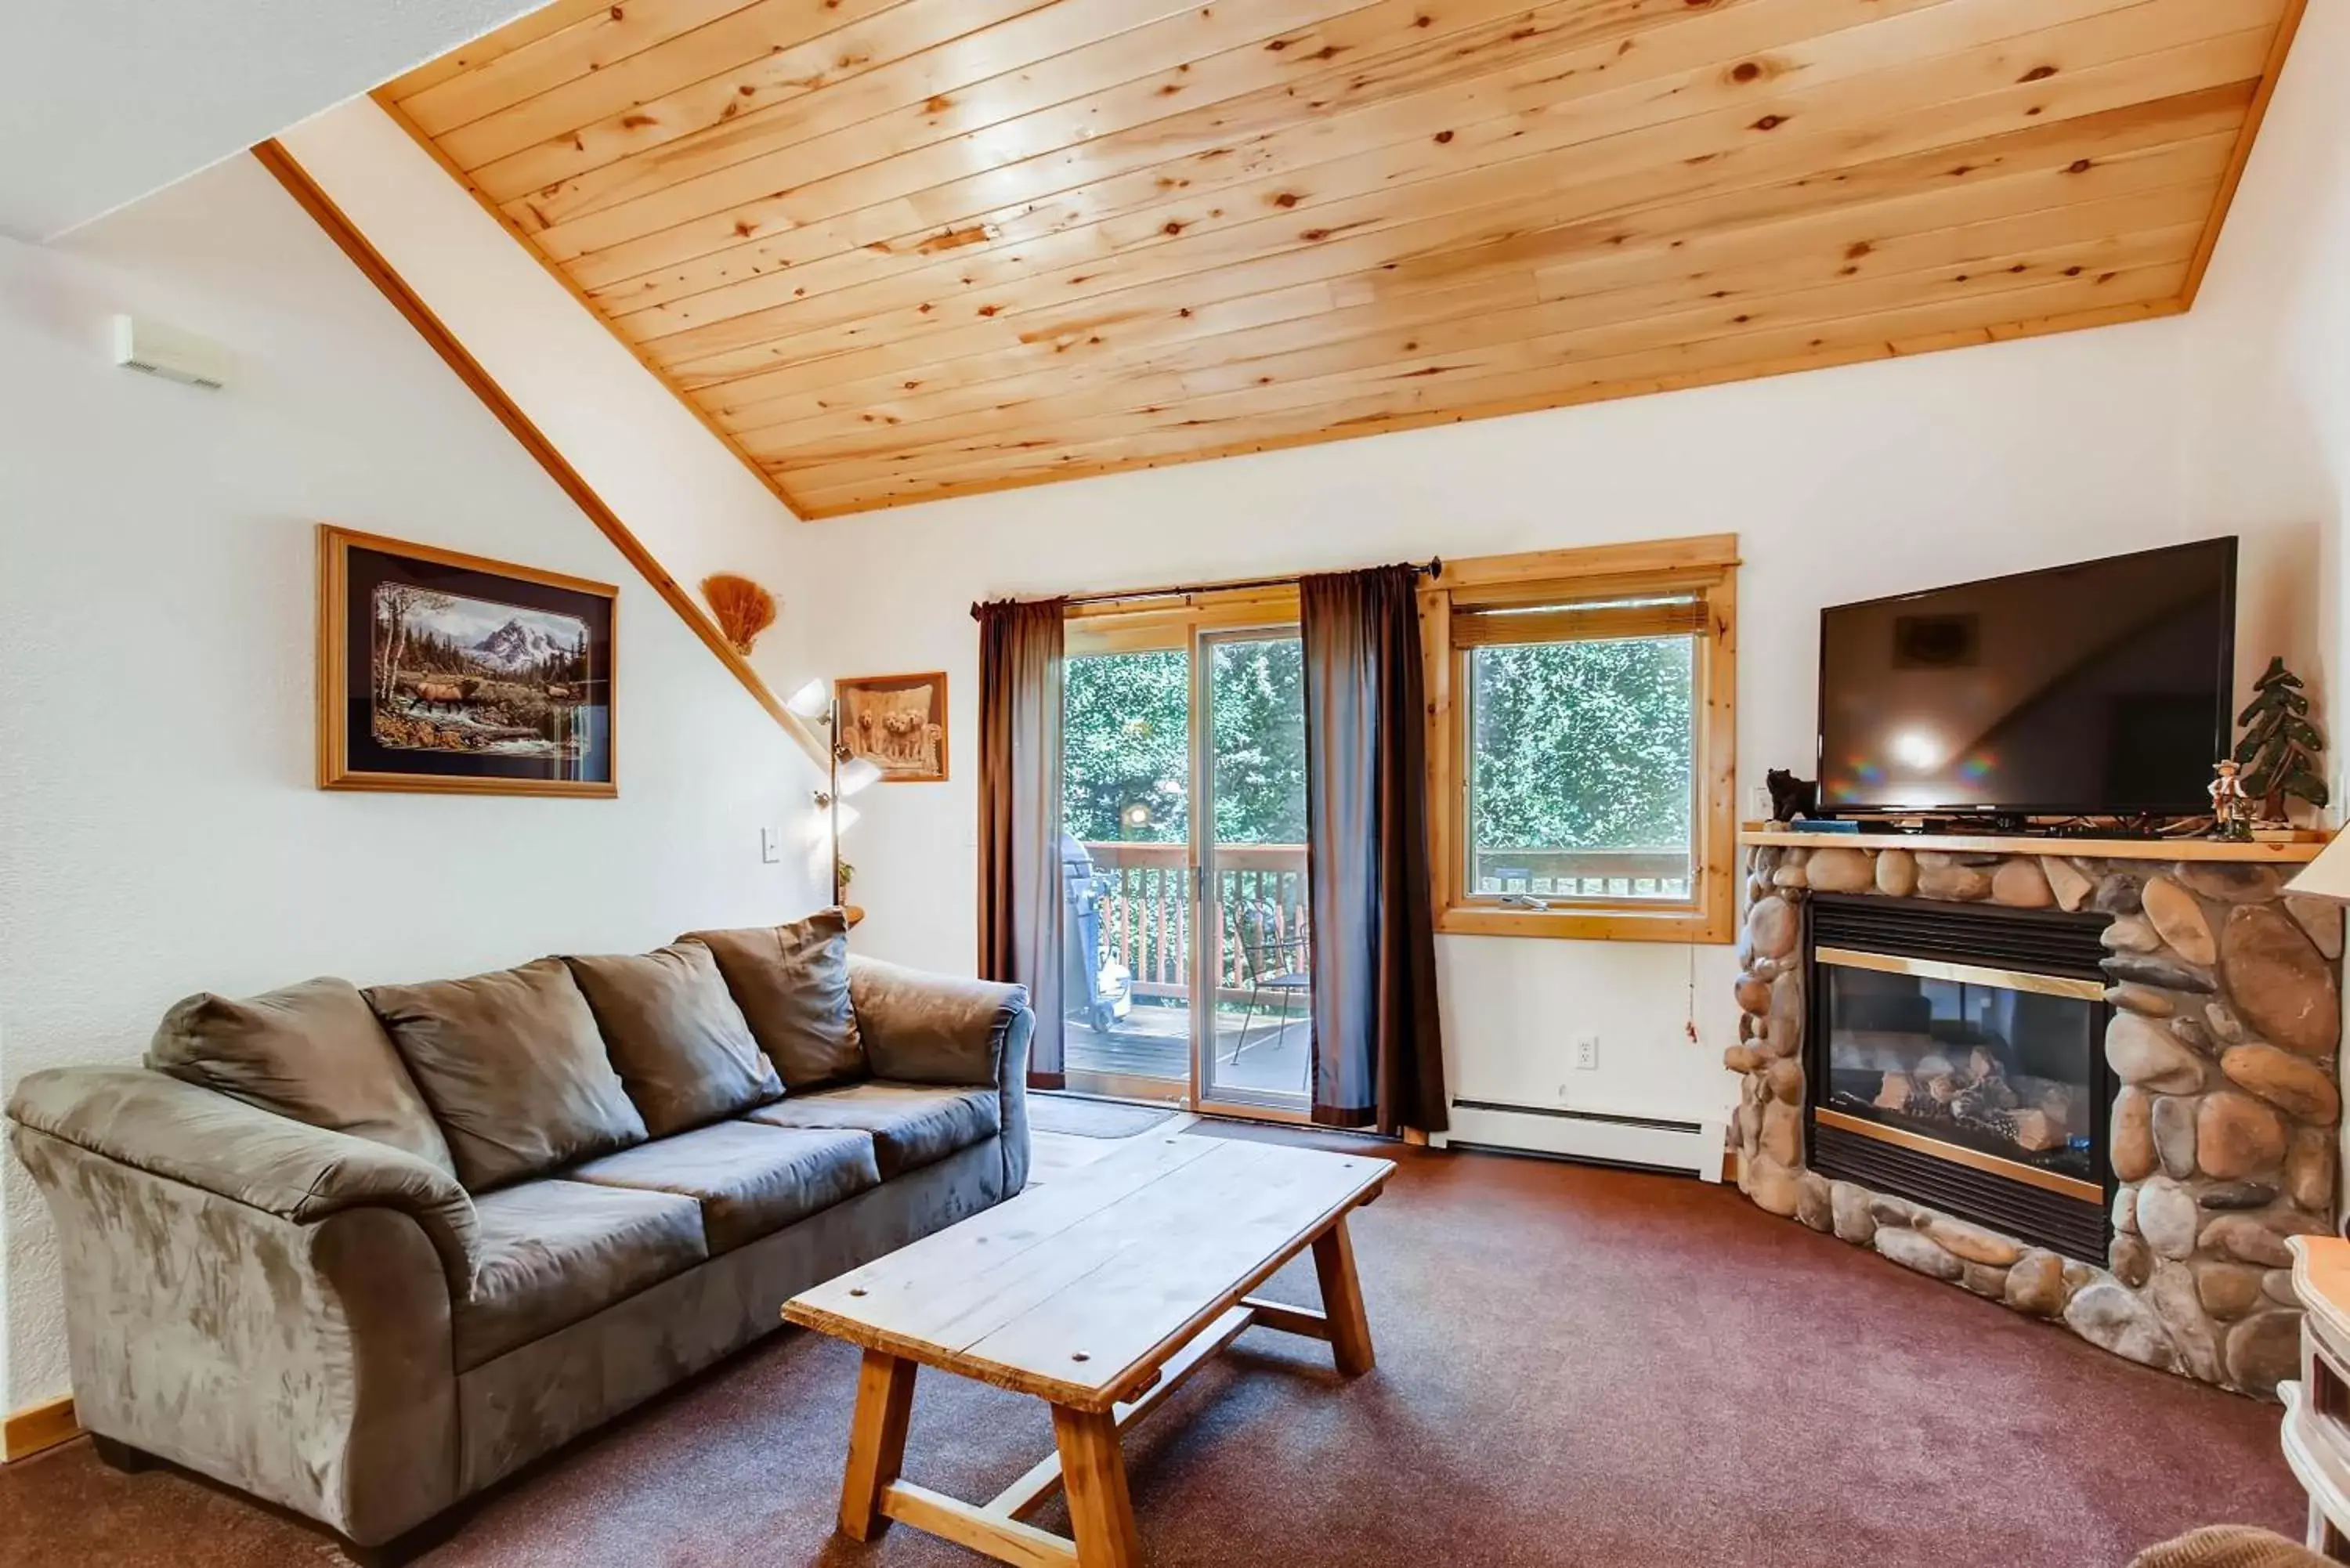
pixel 1956 1057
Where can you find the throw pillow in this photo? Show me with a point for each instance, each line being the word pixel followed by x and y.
pixel 672 1030
pixel 792 983
pixel 512 1065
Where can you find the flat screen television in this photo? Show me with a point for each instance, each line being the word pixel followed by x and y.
pixel 2098 689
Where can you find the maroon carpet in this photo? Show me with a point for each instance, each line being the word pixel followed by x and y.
pixel 1575 1367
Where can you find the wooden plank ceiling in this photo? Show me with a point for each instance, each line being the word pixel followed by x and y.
pixel 896 250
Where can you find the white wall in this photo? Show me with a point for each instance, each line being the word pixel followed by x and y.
pixel 1842 484
pixel 159 830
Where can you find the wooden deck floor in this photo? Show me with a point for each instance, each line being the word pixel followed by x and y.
pixel 1155 1042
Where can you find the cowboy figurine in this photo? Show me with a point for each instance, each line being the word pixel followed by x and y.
pixel 2230 816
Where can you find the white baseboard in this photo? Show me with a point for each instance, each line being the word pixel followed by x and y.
pixel 1693 1146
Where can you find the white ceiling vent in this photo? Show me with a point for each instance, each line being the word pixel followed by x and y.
pixel 166 352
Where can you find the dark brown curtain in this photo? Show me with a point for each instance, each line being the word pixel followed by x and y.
pixel 1379 1049
pixel 1019 894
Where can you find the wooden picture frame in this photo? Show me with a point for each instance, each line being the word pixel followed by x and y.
pixel 449 673
pixel 878 722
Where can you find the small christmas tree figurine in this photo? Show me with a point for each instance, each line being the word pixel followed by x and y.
pixel 2281 747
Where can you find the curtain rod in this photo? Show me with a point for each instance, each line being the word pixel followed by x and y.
pixel 1433 567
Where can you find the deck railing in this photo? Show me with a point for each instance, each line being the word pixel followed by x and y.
pixel 1146 922
pixel 1264 926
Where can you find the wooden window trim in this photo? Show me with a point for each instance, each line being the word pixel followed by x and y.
pixel 1708 563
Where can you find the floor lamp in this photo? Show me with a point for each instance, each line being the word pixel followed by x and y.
pixel 816 703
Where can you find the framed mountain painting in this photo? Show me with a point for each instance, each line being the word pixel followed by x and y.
pixel 445 672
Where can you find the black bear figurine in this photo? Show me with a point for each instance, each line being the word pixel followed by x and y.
pixel 1790 797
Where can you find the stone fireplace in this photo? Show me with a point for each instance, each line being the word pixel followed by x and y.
pixel 2092 1081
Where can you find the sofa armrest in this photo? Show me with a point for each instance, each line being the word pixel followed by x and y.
pixel 924 1028
pixel 310 1363
pixel 292 1171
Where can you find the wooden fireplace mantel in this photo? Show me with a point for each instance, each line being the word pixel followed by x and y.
pixel 2261 852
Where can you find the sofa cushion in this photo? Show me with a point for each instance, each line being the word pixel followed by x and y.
pixel 512 1065
pixel 313 1051
pixel 553 1253
pixel 792 983
pixel 679 1042
pixel 751 1181
pixel 913 1125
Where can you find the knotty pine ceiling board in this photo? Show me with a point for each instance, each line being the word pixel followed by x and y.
pixel 898 250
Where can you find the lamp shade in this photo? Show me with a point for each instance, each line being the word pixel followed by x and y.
pixel 2328 875
pixel 811 701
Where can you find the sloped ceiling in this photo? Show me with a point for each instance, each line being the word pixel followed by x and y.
pixel 897 250
pixel 102 101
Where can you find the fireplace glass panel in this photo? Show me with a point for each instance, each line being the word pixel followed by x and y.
pixel 2001 1071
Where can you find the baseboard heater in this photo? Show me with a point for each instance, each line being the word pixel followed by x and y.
pixel 1600 1138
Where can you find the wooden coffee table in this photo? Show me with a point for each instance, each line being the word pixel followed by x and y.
pixel 1099 1293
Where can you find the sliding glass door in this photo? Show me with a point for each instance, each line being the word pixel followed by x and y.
pixel 1183 790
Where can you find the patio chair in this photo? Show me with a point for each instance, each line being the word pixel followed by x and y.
pixel 1273 969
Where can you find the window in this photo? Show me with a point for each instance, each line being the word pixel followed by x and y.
pixel 1581 742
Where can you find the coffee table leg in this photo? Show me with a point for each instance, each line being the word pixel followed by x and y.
pixel 876 1442
pixel 1093 1470
pixel 1342 1300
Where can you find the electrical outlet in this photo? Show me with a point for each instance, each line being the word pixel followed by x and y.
pixel 1586 1053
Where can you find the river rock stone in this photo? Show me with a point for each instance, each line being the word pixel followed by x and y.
pixel 2249 1239
pixel 2277 1286
pixel 2192 1031
pixel 2036 1284
pixel 2228 881
pixel 1840 871
pixel 2171 1293
pixel 2224 1024
pixel 2320 920
pixel 1753 993
pixel 1812 1201
pixel 2231 1197
pixel 1916 1250
pixel 1786 1032
pixel 1782 1133
pixel 2132 1151
pixel 2235 1135
pixel 2068 882
pixel 1773 1186
pixel 2155 972
pixel 2227 1291
pixel 1784 1079
pixel 1945 879
pixel 2107 1316
pixel 2167 1218
pixel 1848 1209
pixel 2126 1210
pixel 2130 935
pixel 1771 927
pixel 1972 1243
pixel 1984 1281
pixel 2278 981
pixel 2174 1136
pixel 1891 1211
pixel 1897 873
pixel 2309 1170
pixel 2145 1053
pixel 1791 874
pixel 2020 884
pixel 2132 1259
pixel 2116 894
pixel 2295 1085
pixel 2264 1351
pixel 2142 1000
pixel 1741 1058
pixel 2179 918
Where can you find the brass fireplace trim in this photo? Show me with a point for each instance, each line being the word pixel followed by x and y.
pixel 2014 1170
pixel 1964 973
